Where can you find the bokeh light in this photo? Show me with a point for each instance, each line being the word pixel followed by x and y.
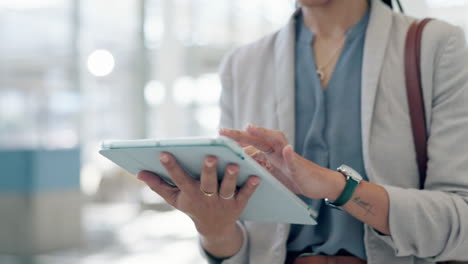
pixel 155 93
pixel 101 63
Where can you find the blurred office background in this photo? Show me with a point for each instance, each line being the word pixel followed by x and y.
pixel 76 72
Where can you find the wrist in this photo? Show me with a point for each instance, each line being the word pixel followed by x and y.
pixel 220 235
pixel 223 245
pixel 338 184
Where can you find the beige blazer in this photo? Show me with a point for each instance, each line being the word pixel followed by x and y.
pixel 426 226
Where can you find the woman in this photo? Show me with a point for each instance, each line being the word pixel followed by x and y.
pixel 332 84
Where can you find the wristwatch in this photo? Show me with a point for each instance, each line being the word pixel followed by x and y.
pixel 353 178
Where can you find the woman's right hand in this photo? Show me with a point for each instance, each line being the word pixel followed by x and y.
pixel 213 216
pixel 262 158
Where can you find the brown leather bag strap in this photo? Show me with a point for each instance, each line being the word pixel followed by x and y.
pixel 415 95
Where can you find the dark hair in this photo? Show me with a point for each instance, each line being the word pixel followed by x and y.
pixel 390 4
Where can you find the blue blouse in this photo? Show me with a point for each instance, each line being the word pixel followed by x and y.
pixel 328 132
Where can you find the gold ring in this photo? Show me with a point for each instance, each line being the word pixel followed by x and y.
pixel 209 194
pixel 227 198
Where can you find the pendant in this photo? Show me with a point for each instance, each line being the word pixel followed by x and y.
pixel 321 75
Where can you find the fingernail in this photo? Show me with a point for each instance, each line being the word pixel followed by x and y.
pixel 255 181
pixel 164 158
pixel 231 171
pixel 222 130
pixel 209 163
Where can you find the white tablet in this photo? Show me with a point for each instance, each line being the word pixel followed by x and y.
pixel 271 202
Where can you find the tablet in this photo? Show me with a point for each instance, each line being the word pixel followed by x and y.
pixel 271 202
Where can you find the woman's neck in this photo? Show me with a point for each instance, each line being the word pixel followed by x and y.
pixel 332 19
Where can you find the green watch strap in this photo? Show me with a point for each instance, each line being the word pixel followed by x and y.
pixel 347 193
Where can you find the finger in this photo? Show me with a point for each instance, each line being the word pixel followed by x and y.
pixel 243 144
pixel 259 156
pixel 209 175
pixel 243 137
pixel 273 138
pixel 159 186
pixel 251 151
pixel 228 185
pixel 178 175
pixel 247 190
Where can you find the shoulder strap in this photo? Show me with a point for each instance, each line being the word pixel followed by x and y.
pixel 415 95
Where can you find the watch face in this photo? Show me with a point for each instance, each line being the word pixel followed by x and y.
pixel 350 172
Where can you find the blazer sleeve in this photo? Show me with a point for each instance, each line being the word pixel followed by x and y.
pixel 227 121
pixel 241 257
pixel 433 223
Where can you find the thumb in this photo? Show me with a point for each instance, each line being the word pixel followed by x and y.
pixel 159 186
pixel 290 157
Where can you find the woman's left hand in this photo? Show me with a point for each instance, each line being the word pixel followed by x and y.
pixel 295 172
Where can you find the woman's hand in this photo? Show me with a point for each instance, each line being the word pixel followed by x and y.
pixel 369 204
pixel 298 174
pixel 214 217
pixel 263 159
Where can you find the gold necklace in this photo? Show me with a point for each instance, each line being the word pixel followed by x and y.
pixel 321 69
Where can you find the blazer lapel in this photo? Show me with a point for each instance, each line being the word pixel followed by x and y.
pixel 284 85
pixel 377 36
